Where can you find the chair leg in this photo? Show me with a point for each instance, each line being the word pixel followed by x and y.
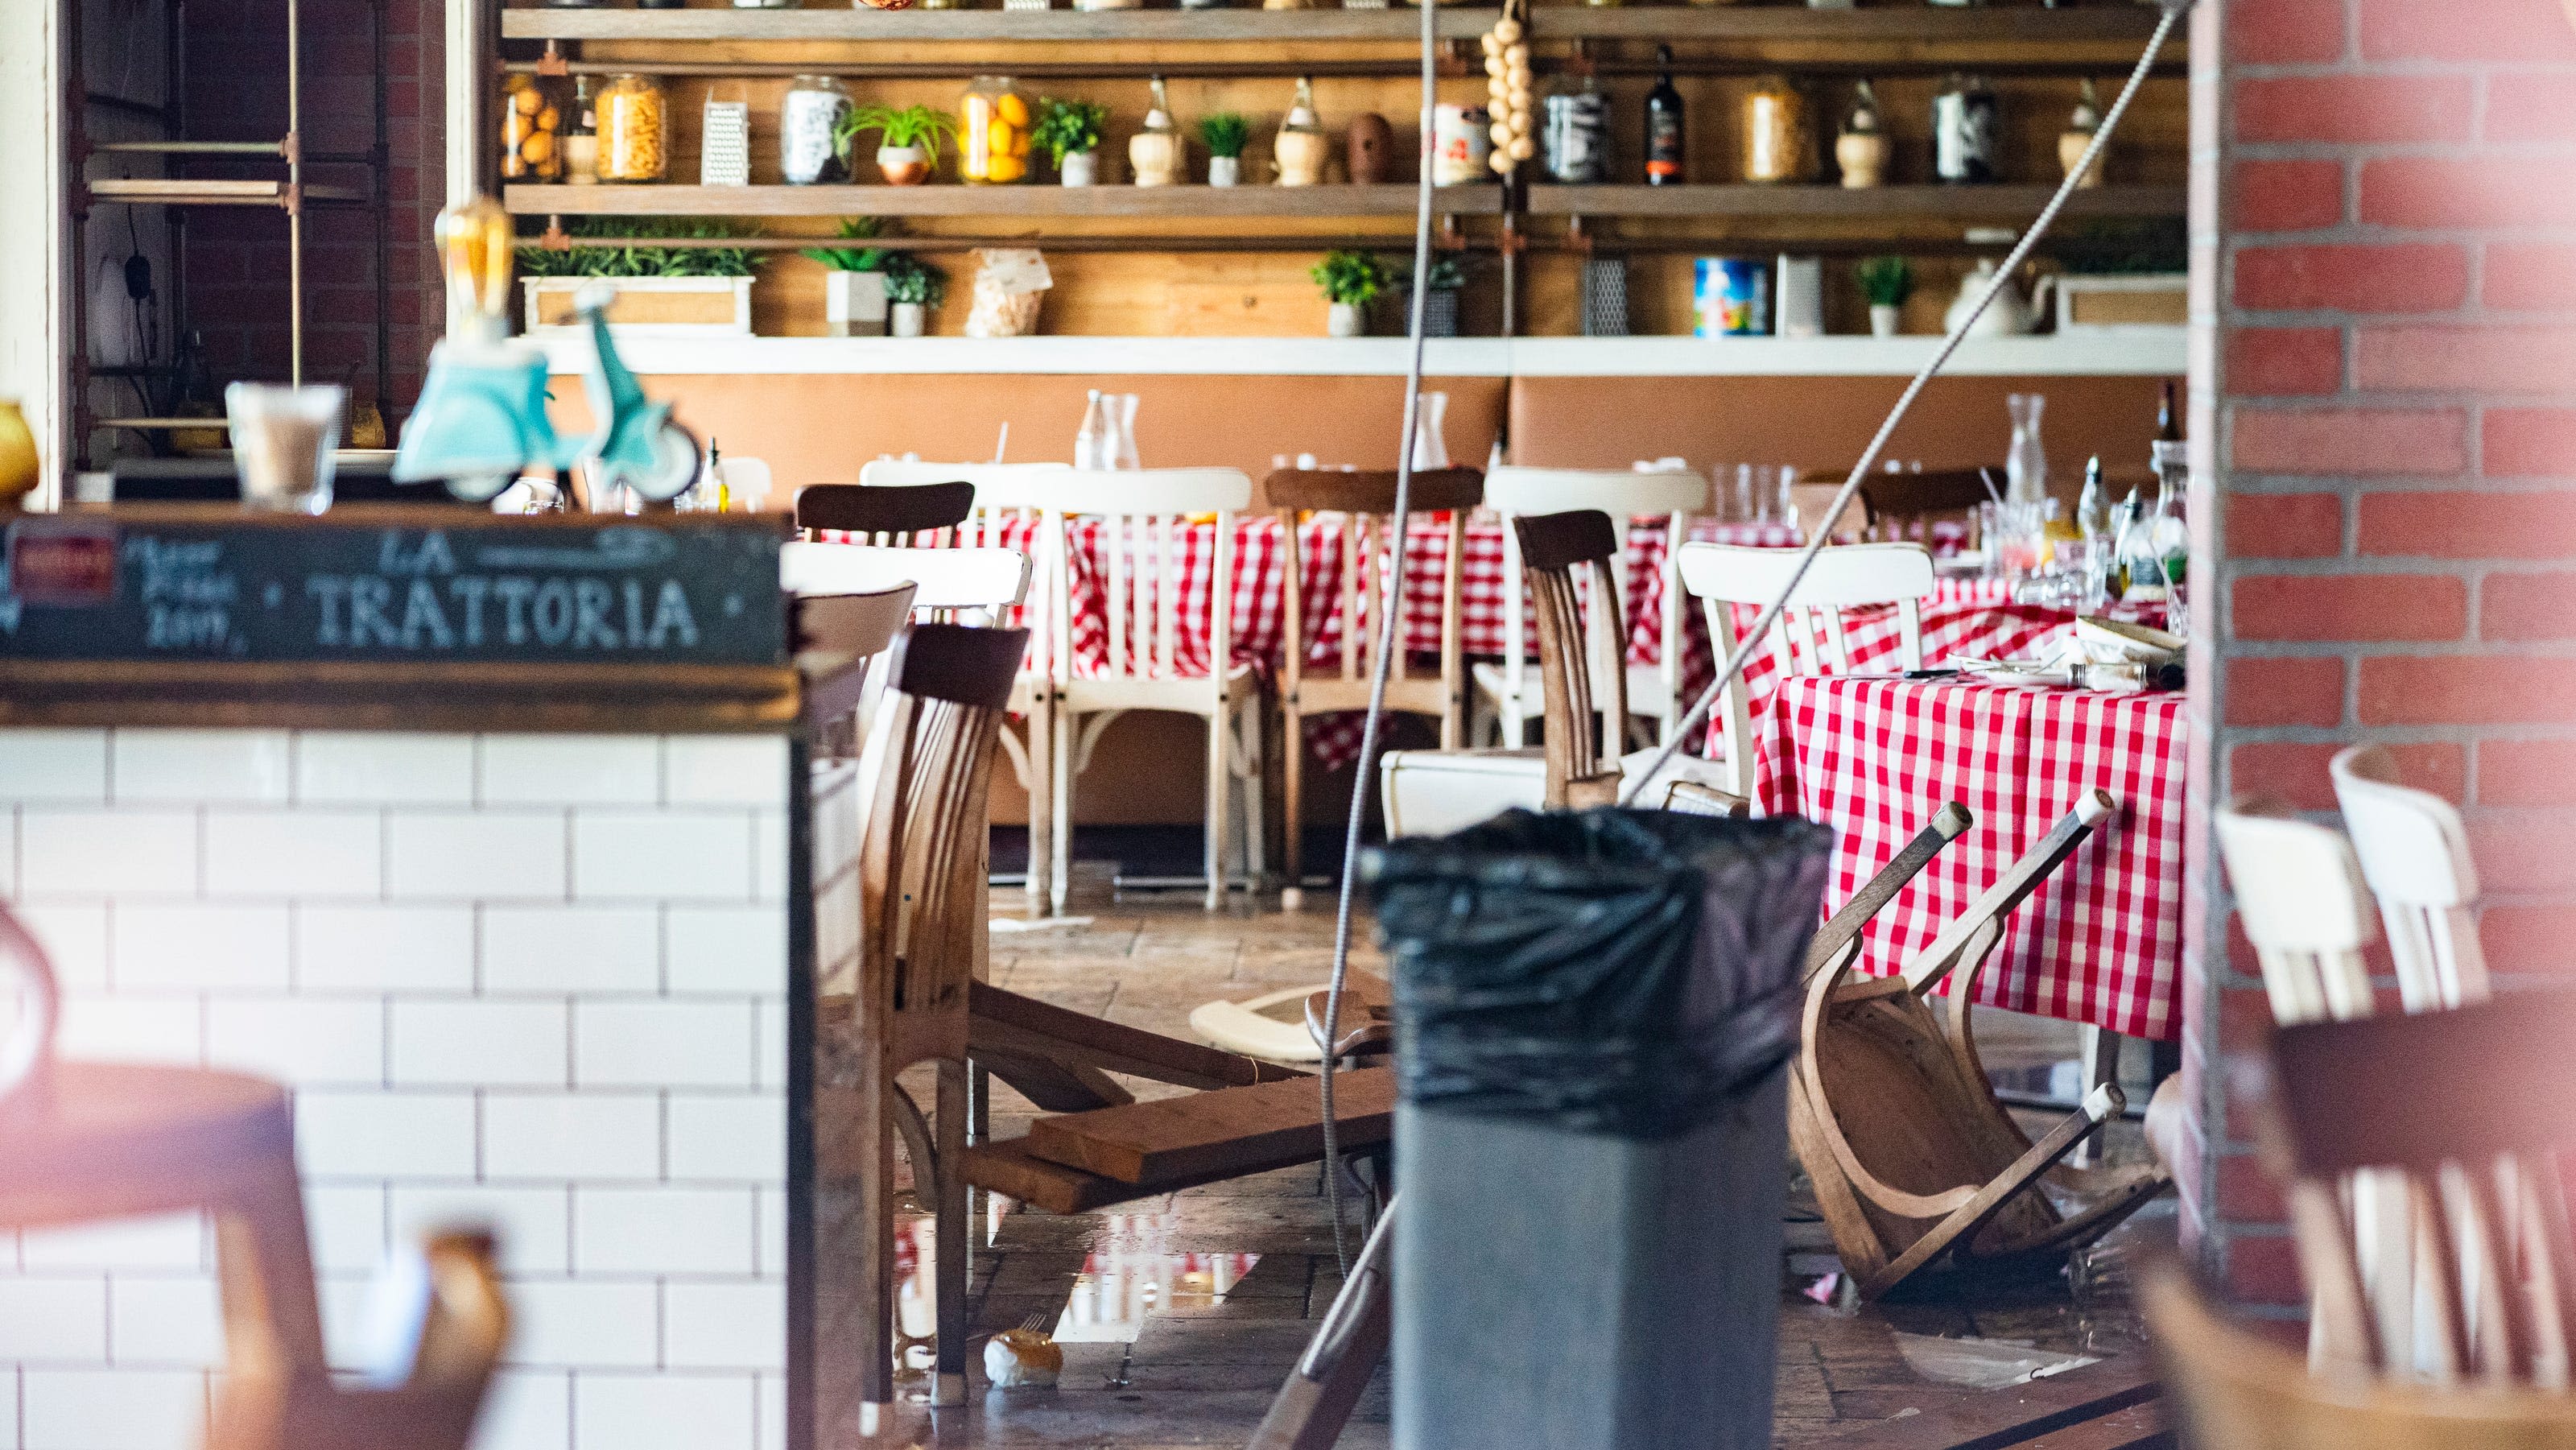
pixel 1292 776
pixel 1220 770
pixel 2101 1058
pixel 1060 786
pixel 272 1318
pixel 873 1327
pixel 1254 725
pixel 955 1239
pixel 1044 894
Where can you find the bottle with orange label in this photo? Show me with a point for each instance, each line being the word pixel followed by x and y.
pixel 993 132
pixel 1665 150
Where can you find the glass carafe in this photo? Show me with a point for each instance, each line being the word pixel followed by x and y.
pixel 1430 445
pixel 1095 430
pixel 2026 466
pixel 1122 453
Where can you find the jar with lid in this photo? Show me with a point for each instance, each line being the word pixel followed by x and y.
pixel 993 132
pixel 1301 147
pixel 634 129
pixel 809 118
pixel 1575 126
pixel 1965 130
pixel 1779 133
pixel 532 119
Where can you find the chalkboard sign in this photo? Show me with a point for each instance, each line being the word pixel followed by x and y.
pixel 391 586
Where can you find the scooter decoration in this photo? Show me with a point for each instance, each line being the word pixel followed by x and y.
pixel 481 421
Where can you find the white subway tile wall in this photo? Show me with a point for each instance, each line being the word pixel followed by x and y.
pixel 532 982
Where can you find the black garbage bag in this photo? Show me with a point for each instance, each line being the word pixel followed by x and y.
pixel 1606 971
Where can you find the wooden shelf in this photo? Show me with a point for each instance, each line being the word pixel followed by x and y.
pixel 1885 203
pixel 1986 24
pixel 1035 200
pixel 151 190
pixel 1259 27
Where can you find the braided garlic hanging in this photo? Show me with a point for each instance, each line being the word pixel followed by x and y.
pixel 1508 88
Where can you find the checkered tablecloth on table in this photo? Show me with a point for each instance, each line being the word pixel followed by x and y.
pixel 2100 941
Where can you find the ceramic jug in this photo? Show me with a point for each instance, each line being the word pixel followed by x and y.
pixel 2011 312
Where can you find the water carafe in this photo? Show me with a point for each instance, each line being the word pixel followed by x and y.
pixel 2026 466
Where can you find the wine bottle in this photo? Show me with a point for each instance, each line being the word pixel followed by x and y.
pixel 2168 420
pixel 1664 133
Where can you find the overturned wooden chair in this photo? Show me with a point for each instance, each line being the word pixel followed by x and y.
pixel 1915 1161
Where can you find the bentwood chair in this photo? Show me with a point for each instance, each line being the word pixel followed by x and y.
pixel 1902 506
pixel 1808 636
pixel 891 514
pixel 920 940
pixel 1364 503
pixel 2227 1388
pixel 2462 1111
pixel 1140 524
pixel 1652 690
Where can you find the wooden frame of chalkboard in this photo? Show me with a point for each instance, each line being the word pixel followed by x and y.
pixel 395 618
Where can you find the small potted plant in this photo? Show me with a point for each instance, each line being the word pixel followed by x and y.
pixel 1224 135
pixel 913 287
pixel 907 139
pixel 1070 132
pixel 1351 281
pixel 1886 282
pixel 854 284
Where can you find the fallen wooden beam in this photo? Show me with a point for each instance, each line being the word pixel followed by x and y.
pixel 1219 1134
pixel 2111 1405
pixel 1007 1024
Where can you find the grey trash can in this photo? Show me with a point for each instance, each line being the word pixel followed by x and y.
pixel 1596 1011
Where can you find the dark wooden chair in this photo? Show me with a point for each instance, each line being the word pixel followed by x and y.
pixel 838 638
pixel 885 513
pixel 1366 500
pixel 2464 1110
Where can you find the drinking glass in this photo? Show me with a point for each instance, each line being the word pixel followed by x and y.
pixel 283 441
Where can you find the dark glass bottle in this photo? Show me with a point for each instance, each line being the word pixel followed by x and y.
pixel 1664 127
pixel 2168 419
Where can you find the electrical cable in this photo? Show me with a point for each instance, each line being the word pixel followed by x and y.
pixel 1752 637
pixel 1390 624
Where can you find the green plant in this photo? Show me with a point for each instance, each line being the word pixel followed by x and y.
pixel 1886 281
pixel 1351 278
pixel 595 253
pixel 1448 274
pixel 854 259
pixel 909 279
pixel 1225 133
pixel 921 126
pixel 1067 127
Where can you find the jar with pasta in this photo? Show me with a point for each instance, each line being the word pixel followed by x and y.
pixel 532 125
pixel 634 129
pixel 993 132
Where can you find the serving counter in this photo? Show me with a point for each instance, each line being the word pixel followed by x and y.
pixel 493 839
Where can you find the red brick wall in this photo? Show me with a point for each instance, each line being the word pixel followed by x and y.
pixel 2385 404
pixel 237 258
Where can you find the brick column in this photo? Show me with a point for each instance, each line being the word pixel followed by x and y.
pixel 2384 418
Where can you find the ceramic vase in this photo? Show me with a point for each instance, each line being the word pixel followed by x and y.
pixel 2070 151
pixel 1224 170
pixel 1345 319
pixel 1884 318
pixel 1862 155
pixel 903 165
pixel 1371 145
pixel 1080 168
pixel 905 319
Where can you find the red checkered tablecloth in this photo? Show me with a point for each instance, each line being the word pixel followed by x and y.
pixel 2100 941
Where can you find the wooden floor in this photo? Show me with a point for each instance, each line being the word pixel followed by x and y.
pixel 1202 1370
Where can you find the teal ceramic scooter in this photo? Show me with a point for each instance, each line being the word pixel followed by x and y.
pixel 481 421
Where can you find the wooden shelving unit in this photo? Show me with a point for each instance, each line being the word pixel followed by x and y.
pixel 1893 203
pixel 1033 200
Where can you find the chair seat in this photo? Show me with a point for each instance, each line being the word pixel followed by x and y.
pixel 1709 773
pixel 1646 692
pixel 115 1139
pixel 1197 694
pixel 1435 792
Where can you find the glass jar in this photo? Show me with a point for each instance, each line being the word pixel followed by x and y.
pixel 581 137
pixel 993 132
pixel 532 121
pixel 634 129
pixel 809 121
pixel 1576 128
pixel 1779 133
pixel 1965 128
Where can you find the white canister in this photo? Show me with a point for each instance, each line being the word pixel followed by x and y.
pixel 1461 144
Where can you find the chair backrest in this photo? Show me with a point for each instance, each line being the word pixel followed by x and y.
pixel 1808 636
pixel 2465 1107
pixel 893 514
pixel 1675 494
pixel 942 579
pixel 838 640
pixel 1366 500
pixel 925 771
pixel 455 1335
pixel 1143 517
pixel 2414 852
pixel 2228 1388
pixel 1811 500
pixel 1571 642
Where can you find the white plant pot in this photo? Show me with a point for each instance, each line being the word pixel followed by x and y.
pixel 1345 319
pixel 1883 319
pixel 905 318
pixel 1080 168
pixel 1224 170
pixel 854 304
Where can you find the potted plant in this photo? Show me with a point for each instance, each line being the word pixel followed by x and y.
pixel 1886 282
pixel 854 284
pixel 698 290
pixel 1224 135
pixel 913 287
pixel 1351 281
pixel 1070 132
pixel 907 139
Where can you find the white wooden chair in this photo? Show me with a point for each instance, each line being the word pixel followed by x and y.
pixel 1653 690
pixel 945 581
pixel 1144 517
pixel 2414 853
pixel 1808 635
pixel 746 482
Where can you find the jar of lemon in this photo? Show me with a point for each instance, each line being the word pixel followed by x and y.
pixel 993 132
